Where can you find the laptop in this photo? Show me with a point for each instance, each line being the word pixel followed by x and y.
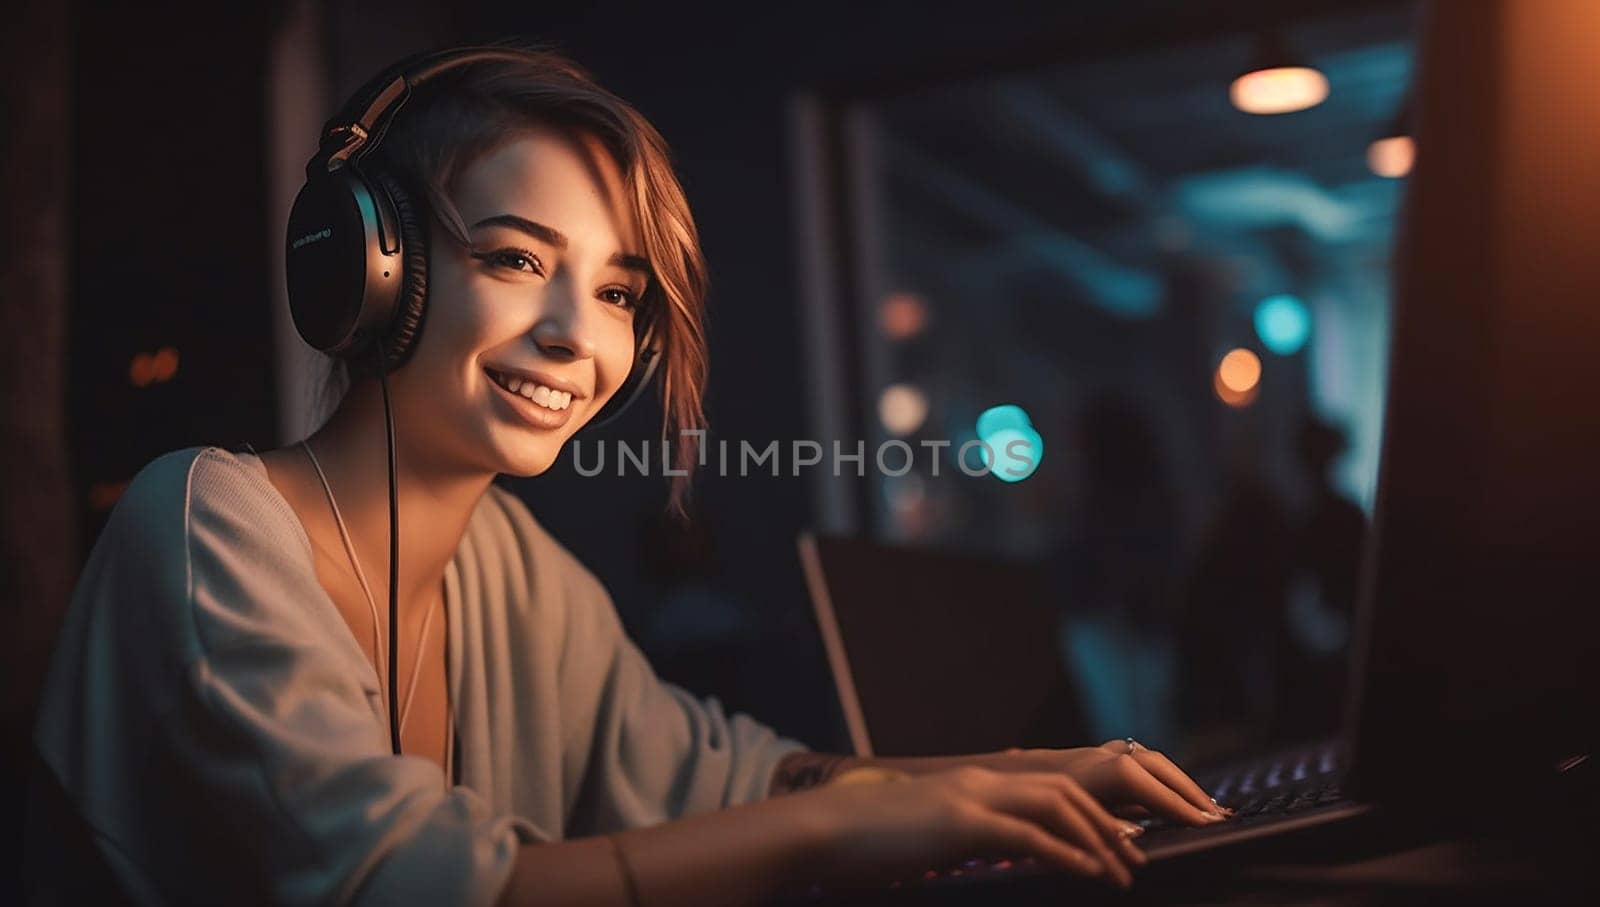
pixel 1473 662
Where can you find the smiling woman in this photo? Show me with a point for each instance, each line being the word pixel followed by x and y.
pixel 566 190
pixel 222 720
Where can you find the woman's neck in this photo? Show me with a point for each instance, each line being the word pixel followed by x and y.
pixel 435 502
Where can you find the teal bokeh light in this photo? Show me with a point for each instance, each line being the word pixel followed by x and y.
pixel 1007 415
pixel 1283 323
pixel 1000 427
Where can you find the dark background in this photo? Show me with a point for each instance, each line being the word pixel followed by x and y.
pixel 136 217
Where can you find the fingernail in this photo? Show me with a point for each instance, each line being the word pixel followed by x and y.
pixel 1131 830
pixel 1214 816
pixel 1226 811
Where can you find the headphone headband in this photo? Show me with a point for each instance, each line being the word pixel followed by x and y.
pixel 361 122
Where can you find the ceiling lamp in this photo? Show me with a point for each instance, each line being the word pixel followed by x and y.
pixel 1276 81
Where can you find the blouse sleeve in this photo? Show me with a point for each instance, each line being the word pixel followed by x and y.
pixel 656 752
pixel 267 766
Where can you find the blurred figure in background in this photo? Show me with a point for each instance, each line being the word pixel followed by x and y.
pixel 1115 578
pixel 1232 609
pixel 1313 641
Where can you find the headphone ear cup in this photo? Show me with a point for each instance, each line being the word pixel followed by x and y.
pixel 646 358
pixel 400 340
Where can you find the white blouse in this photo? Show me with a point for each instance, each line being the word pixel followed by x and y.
pixel 222 734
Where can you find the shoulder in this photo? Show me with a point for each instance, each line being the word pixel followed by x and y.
pixel 205 479
pixel 198 497
pixel 196 553
pixel 202 539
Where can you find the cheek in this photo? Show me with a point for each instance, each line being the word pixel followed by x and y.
pixel 462 323
pixel 615 353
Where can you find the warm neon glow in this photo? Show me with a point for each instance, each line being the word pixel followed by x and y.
pixel 902 408
pixel 141 371
pixel 902 315
pixel 1392 157
pixel 153 368
pixel 1239 373
pixel 1283 89
pixel 164 364
pixel 1233 398
pixel 1283 323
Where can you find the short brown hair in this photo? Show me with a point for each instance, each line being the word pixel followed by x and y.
pixel 458 116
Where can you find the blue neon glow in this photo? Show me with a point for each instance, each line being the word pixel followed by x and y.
pixel 1016 448
pixel 1007 415
pixel 1283 323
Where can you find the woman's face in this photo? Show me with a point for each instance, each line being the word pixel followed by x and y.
pixel 543 302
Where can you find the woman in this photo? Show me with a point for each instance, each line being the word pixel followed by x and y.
pixel 216 724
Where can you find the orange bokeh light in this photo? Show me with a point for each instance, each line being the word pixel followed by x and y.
pixel 1392 157
pixel 1233 398
pixel 902 315
pixel 1238 377
pixel 141 371
pixel 164 363
pixel 1282 89
pixel 1240 370
pixel 153 368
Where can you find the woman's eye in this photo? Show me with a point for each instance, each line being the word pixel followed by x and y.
pixel 515 259
pixel 620 297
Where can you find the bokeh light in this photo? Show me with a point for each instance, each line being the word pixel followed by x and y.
pixel 1240 370
pixel 153 368
pixel 164 364
pixel 902 408
pixel 1282 89
pixel 1237 378
pixel 1392 157
pixel 1002 426
pixel 1008 463
pixel 1283 323
pixel 141 371
pixel 902 315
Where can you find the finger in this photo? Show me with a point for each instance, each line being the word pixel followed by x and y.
pixel 1176 778
pixel 1138 785
pixel 1019 836
pixel 1118 833
pixel 1042 797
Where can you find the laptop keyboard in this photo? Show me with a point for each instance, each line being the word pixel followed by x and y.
pixel 1280 785
pixel 1258 791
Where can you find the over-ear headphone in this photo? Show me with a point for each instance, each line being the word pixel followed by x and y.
pixel 357 259
pixel 357 245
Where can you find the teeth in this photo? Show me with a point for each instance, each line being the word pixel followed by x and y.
pixel 546 397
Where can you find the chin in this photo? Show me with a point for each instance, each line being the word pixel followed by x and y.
pixel 530 460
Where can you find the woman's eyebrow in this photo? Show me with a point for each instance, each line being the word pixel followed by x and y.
pixel 558 239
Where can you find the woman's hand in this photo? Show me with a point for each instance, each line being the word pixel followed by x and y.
pixel 894 826
pixel 1139 778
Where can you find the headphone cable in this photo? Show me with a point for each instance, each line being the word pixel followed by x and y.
pixel 394 555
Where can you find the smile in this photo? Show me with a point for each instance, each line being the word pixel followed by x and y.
pixel 547 397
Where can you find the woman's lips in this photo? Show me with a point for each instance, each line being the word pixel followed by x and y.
pixel 529 411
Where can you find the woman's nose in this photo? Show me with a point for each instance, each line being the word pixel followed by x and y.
pixel 562 331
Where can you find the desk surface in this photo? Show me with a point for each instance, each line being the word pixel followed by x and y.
pixel 1380 868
